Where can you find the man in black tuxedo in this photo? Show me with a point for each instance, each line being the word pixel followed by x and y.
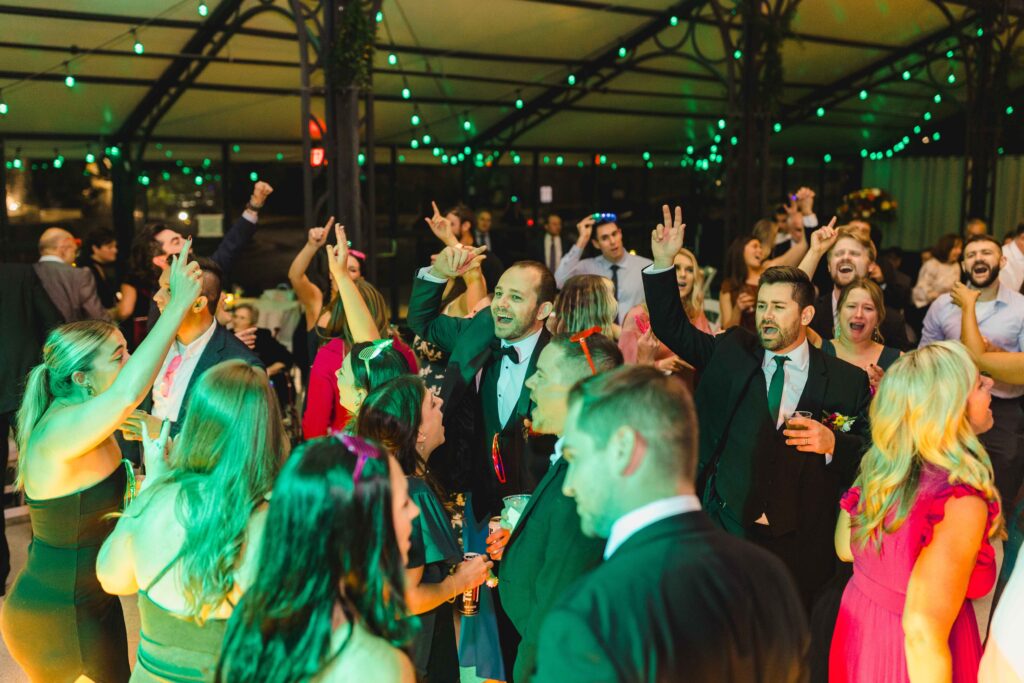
pixel 778 487
pixel 850 254
pixel 490 357
pixel 676 598
pixel 547 551
pixel 199 344
pixel 28 315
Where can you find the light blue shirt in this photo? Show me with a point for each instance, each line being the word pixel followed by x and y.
pixel 631 282
pixel 635 521
pixel 1001 321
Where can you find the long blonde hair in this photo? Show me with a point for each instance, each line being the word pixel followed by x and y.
pixel 225 460
pixel 68 349
pixel 918 417
pixel 694 303
pixel 585 301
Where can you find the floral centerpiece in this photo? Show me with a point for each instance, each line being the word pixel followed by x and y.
pixel 870 204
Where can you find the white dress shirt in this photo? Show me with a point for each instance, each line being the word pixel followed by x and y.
pixel 550 239
pixel 49 258
pixel 1012 275
pixel 557 455
pixel 795 378
pixel 169 406
pixel 512 376
pixel 631 523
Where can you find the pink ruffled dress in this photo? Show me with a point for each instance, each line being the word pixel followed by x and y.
pixel 868 644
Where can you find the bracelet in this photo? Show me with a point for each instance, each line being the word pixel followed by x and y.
pixel 252 207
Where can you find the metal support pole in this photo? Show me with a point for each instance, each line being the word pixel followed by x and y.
pixel 370 228
pixel 123 202
pixel 5 225
pixel 535 189
pixel 225 184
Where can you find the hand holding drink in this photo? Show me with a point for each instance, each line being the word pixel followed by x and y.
pixel 808 435
pixel 514 506
pixel 468 575
pixel 497 538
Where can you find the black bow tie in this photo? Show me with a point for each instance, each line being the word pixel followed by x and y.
pixel 499 352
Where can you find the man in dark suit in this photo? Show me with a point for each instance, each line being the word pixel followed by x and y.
pixel 72 290
pixel 490 357
pixel 850 254
pixel 779 488
pixel 200 344
pixel 28 315
pixel 676 598
pixel 551 245
pixel 546 550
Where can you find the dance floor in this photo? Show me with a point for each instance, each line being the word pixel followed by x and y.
pixel 18 536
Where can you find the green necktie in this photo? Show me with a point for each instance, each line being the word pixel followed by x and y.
pixel 775 388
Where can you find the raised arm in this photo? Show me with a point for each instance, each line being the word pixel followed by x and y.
pixel 357 313
pixel 1004 366
pixel 668 318
pixel 308 294
pixel 822 240
pixel 241 233
pixel 96 418
pixel 424 316
pixel 572 259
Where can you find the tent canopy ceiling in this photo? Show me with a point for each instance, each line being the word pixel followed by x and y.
pixel 659 101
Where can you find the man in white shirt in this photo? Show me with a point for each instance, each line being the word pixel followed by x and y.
pixel 666 602
pixel 614 262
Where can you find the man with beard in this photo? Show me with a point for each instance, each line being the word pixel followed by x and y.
pixel 491 355
pixel 765 473
pixel 850 254
pixel 1001 320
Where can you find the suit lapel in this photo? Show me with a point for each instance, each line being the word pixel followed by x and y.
pixel 553 473
pixel 750 363
pixel 211 356
pixel 813 397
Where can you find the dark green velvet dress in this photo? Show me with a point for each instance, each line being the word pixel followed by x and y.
pixel 435 548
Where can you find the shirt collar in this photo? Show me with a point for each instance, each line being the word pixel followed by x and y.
pixel 629 524
pixel 198 344
pixel 621 264
pixel 50 258
pixel 557 455
pixel 799 358
pixel 1004 295
pixel 524 347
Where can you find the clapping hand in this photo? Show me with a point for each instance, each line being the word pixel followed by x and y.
pixel 441 227
pixel 667 238
pixel 584 229
pixel 455 260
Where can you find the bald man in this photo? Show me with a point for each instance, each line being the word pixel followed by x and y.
pixel 72 290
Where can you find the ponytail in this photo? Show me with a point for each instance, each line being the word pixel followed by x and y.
pixel 68 349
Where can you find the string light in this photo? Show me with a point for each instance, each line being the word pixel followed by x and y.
pixel 673 21
pixel 863 95
pixel 827 158
pixel 58 160
pixel 254 176
pixel 790 161
pixel 777 128
pixel 3 105
pixel 623 52
pixel 406 93
pixel 820 112
pixel 572 79
pixel 392 59
pixel 519 103
pixel 69 80
pixel 138 47
pixel 203 9
pixel 90 158
pixel 415 119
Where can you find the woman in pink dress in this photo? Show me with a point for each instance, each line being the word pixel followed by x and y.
pixel 917 527
pixel 637 323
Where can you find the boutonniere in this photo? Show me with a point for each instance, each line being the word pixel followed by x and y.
pixel 838 422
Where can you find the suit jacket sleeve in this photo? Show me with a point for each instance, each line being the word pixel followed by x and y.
pixel 571 651
pixel 670 323
pixel 425 318
pixel 232 244
pixel 91 303
pixel 850 446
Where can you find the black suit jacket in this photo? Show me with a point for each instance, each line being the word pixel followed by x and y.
pixel 28 315
pixel 546 553
pixel 222 346
pixel 465 463
pixel 72 291
pixel 893 327
pixel 536 246
pixel 679 601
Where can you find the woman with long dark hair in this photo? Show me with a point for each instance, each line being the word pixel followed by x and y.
pixel 187 544
pixel 57 622
pixel 405 418
pixel 327 602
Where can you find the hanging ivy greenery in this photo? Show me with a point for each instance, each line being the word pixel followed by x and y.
pixel 352 58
